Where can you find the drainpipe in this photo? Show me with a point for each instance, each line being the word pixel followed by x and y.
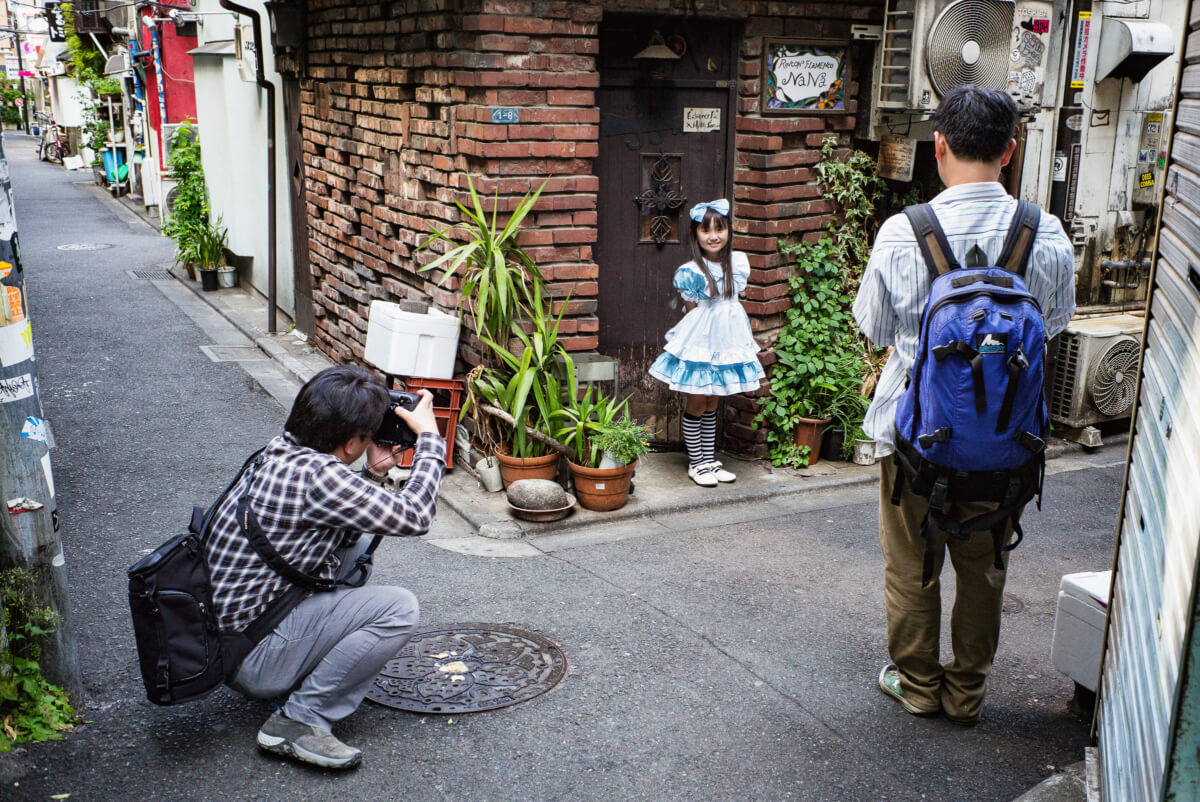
pixel 260 79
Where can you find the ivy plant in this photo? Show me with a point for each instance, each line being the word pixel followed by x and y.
pixel 824 368
pixel 31 709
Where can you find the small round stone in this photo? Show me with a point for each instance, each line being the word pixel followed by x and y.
pixel 537 494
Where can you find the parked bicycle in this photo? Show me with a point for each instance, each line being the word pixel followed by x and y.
pixel 53 145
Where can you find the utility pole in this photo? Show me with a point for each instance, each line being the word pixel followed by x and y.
pixel 28 512
pixel 21 75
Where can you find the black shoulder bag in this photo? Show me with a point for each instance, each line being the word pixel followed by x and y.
pixel 182 653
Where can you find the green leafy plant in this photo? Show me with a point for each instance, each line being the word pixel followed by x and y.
pixel 211 240
pixel 31 709
pixel 824 368
pixel 188 220
pixel 525 385
pixel 623 439
pixel 498 277
pixel 583 419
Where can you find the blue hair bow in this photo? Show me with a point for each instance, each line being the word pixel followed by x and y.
pixel 720 206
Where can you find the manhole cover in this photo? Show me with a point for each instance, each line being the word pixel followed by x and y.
pixel 468 668
pixel 85 246
pixel 150 275
pixel 1012 604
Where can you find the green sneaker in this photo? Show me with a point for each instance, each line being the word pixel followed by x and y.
pixel 889 683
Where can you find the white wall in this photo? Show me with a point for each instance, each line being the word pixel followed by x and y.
pixel 233 135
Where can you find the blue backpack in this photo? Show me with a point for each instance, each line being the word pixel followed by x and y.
pixel 971 425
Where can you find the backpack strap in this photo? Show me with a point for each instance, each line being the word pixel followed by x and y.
pixel 935 248
pixel 1021 234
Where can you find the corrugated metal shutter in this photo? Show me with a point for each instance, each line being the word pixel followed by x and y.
pixel 1147 675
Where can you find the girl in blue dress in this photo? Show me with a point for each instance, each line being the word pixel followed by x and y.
pixel 712 351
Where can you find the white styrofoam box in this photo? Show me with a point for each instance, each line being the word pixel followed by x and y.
pixel 409 344
pixel 1079 625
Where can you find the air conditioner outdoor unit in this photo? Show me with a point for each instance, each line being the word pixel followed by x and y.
pixel 931 46
pixel 1096 375
pixel 168 134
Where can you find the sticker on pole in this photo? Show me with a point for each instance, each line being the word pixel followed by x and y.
pixel 16 344
pixel 16 388
pixel 16 506
pixel 35 429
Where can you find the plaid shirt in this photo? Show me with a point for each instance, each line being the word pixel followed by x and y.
pixel 309 503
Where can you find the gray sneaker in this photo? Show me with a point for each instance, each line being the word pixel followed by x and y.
pixel 283 736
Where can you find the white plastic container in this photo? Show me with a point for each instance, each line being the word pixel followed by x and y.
pixel 1079 625
pixel 409 344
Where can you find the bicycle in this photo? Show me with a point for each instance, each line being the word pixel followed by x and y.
pixel 53 145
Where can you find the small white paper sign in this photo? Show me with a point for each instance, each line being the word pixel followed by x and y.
pixel 698 120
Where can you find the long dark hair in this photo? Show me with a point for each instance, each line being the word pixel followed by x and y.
pixel 712 217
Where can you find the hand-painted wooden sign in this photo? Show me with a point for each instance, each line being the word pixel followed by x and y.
pixel 805 76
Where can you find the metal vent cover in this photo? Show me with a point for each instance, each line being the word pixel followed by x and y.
pixel 970 43
pixel 1115 377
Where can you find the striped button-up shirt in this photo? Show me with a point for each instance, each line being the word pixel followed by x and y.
pixel 309 503
pixel 895 285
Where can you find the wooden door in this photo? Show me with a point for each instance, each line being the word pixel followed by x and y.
pixel 652 169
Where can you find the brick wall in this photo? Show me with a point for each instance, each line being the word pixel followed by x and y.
pixel 395 109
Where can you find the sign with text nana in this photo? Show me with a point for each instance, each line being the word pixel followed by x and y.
pixel 804 76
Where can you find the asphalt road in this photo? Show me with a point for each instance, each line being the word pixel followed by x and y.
pixel 713 656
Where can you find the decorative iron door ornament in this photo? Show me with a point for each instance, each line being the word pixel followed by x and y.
pixel 661 200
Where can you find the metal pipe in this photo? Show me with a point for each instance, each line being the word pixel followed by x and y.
pixel 261 80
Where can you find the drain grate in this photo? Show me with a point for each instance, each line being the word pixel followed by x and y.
pixel 150 275
pixel 468 668
pixel 85 246
pixel 233 353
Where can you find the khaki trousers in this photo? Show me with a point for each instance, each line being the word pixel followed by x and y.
pixel 914 613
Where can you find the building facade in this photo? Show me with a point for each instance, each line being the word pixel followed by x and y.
pixel 398 103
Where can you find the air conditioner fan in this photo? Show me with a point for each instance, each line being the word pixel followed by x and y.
pixel 969 43
pixel 1113 380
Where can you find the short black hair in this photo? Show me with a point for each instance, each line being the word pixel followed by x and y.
pixel 977 121
pixel 335 405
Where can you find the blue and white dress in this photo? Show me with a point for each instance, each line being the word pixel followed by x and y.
pixel 712 350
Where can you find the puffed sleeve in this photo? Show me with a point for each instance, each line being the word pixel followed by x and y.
pixel 690 283
pixel 741 271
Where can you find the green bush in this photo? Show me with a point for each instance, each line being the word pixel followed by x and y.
pixel 31 709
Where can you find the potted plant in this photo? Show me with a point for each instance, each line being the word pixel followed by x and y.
pixel 805 380
pixel 525 393
pixel 621 442
pixel 210 253
pixel 588 425
pixel 188 217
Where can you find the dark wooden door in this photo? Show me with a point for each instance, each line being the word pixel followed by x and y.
pixel 652 169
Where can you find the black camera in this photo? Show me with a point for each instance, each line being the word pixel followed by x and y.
pixel 394 431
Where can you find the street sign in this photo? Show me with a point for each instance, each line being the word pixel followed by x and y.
pixel 20 102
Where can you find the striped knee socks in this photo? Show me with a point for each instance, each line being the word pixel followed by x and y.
pixel 708 434
pixel 693 438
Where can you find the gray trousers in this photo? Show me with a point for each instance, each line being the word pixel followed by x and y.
pixel 329 649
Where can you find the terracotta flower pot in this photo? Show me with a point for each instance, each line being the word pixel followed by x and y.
pixel 602 489
pixel 514 468
pixel 808 433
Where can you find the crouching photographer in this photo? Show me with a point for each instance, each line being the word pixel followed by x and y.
pixel 331 638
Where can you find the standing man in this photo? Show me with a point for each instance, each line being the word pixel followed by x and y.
pixel 319 516
pixel 974 138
